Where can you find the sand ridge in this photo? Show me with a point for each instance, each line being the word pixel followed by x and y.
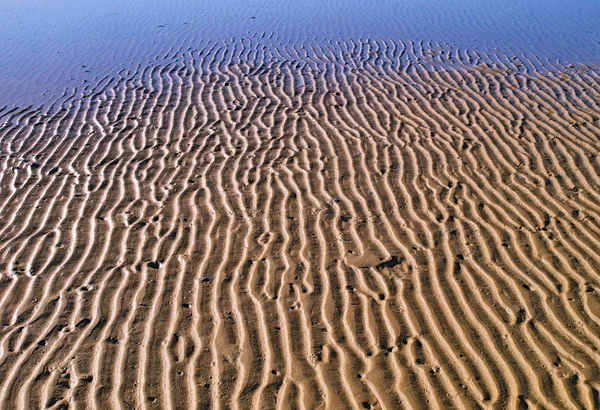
pixel 353 224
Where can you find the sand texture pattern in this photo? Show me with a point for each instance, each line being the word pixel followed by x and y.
pixel 355 224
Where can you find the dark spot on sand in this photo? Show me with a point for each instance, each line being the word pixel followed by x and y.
pixel 521 316
pixel 390 263
pixel 83 323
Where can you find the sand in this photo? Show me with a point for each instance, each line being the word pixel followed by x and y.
pixel 357 224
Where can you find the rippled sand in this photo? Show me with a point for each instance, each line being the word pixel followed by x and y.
pixel 350 225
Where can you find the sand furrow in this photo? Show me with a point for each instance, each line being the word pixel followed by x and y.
pixel 343 224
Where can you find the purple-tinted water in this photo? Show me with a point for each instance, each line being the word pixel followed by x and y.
pixel 48 45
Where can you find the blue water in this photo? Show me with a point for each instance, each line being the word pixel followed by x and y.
pixel 50 45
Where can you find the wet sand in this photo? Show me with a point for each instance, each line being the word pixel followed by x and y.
pixel 356 224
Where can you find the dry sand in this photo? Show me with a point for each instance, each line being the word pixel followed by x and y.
pixel 351 225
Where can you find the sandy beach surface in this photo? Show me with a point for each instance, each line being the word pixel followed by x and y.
pixel 369 224
pixel 299 205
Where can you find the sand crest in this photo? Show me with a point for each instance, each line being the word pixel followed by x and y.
pixel 349 225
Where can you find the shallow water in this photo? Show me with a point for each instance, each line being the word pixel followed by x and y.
pixel 49 45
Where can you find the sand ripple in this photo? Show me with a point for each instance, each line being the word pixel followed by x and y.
pixel 358 224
